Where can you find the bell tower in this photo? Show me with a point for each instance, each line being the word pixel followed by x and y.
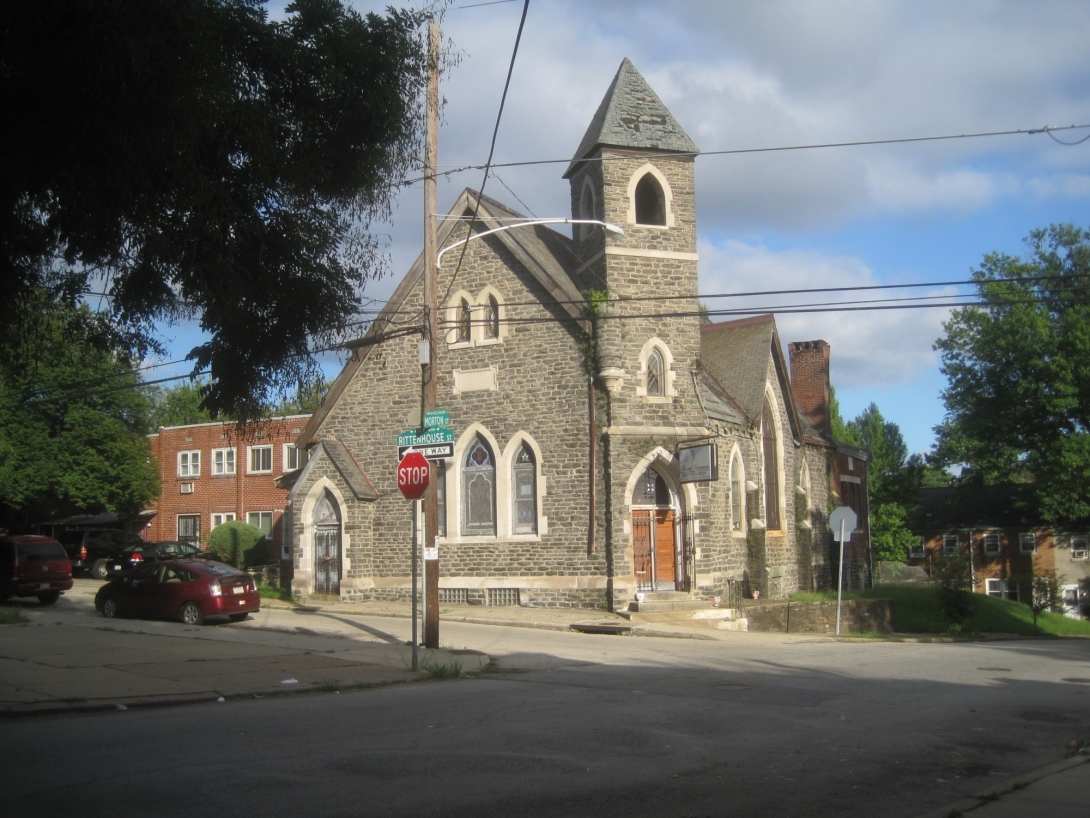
pixel 634 168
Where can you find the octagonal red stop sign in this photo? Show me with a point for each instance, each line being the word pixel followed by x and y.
pixel 413 474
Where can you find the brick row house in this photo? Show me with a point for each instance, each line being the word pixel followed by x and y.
pixel 213 473
pixel 1006 541
pixel 579 380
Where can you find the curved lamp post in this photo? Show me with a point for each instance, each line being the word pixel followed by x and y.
pixel 612 228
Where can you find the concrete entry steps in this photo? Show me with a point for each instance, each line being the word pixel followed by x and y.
pixel 678 606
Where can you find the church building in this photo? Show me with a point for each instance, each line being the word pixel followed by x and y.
pixel 608 442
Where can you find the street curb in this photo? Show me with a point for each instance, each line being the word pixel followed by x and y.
pixel 966 805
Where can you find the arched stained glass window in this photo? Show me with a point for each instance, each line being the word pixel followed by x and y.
pixel 656 374
pixel 465 322
pixel 492 323
pixel 479 490
pixel 772 469
pixel 737 493
pixel 651 490
pixel 650 201
pixel 524 479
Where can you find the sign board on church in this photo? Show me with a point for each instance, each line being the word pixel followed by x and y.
pixel 699 464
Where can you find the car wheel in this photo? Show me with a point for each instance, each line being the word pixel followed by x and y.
pixel 49 597
pixel 100 570
pixel 110 608
pixel 238 617
pixel 192 614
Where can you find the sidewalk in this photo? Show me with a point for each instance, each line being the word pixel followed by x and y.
pixel 1062 788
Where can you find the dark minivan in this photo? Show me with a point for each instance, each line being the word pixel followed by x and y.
pixel 34 566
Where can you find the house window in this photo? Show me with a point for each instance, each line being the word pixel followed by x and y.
pixel 1003 588
pixel 650 201
pixel 916 550
pixel 492 319
pixel 465 322
pixel 189 528
pixel 441 497
pixel 479 490
pixel 772 470
pixel 220 519
pixel 223 461
pixel 1078 548
pixel 656 374
pixel 292 457
pixel 1027 542
pixel 524 479
pixel 262 520
pixel 950 545
pixel 991 544
pixel 260 459
pixel 737 493
pixel 189 464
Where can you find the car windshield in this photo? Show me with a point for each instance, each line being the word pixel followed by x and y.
pixel 35 551
pixel 220 570
pixel 134 548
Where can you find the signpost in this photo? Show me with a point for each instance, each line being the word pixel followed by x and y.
pixel 843 521
pixel 413 476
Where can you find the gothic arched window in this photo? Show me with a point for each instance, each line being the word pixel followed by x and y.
pixel 737 493
pixel 650 490
pixel 465 322
pixel 656 374
pixel 650 201
pixel 772 468
pixel 492 319
pixel 524 486
pixel 479 490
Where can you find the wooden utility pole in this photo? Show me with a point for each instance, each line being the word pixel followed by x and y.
pixel 431 249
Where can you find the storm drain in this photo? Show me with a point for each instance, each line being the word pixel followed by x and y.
pixel 501 597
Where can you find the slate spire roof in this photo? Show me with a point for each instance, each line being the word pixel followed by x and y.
pixel 632 116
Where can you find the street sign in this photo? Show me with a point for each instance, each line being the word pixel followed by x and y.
pixel 848 517
pixel 438 451
pixel 413 475
pixel 436 418
pixel 413 439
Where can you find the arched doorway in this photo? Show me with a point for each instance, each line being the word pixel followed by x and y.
pixel 327 546
pixel 658 562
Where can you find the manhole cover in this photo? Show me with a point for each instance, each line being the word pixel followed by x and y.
pixel 1050 718
pixel 1076 680
pixel 997 669
pixel 732 687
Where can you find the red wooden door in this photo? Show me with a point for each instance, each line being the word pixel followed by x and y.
pixel 665 552
pixel 642 538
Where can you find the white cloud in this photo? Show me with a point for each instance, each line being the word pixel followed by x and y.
pixel 870 348
pixel 897 187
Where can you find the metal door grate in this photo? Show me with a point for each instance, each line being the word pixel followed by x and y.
pixel 501 597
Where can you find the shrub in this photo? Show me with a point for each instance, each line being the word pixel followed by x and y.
pixel 239 544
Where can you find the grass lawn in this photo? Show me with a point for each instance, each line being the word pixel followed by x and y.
pixel 916 609
pixel 271 592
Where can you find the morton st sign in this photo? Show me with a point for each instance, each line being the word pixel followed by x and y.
pixel 413 474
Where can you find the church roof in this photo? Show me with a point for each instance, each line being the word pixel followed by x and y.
pixel 632 116
pixel 354 477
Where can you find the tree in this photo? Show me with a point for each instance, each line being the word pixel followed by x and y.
pixel 192 158
pixel 65 451
pixel 178 405
pixel 1018 399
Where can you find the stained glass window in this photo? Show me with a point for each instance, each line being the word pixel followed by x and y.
pixel 479 490
pixel 525 491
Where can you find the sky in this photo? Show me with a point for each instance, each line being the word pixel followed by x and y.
pixel 755 75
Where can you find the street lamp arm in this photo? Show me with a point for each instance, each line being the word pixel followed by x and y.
pixel 612 228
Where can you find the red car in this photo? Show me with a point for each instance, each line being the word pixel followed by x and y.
pixel 185 589
pixel 34 566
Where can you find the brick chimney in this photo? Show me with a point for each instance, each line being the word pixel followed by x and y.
pixel 810 381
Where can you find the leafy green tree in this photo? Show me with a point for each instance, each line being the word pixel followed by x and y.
pixel 890 537
pixel 66 449
pixel 195 159
pixel 841 431
pixel 308 397
pixel 1018 399
pixel 892 476
pixel 179 405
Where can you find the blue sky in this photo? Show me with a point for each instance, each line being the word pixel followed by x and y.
pixel 743 75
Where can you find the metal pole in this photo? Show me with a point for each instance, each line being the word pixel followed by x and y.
pixel 840 579
pixel 431 248
pixel 415 556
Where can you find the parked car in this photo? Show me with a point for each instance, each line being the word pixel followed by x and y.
pixel 185 588
pixel 91 549
pixel 146 552
pixel 34 566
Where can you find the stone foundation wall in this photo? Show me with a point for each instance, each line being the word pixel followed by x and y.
pixel 857 616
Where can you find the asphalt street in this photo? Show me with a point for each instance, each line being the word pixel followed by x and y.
pixel 577 725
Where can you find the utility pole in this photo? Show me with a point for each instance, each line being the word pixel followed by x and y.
pixel 431 248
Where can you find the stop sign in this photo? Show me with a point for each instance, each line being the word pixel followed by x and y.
pixel 413 475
